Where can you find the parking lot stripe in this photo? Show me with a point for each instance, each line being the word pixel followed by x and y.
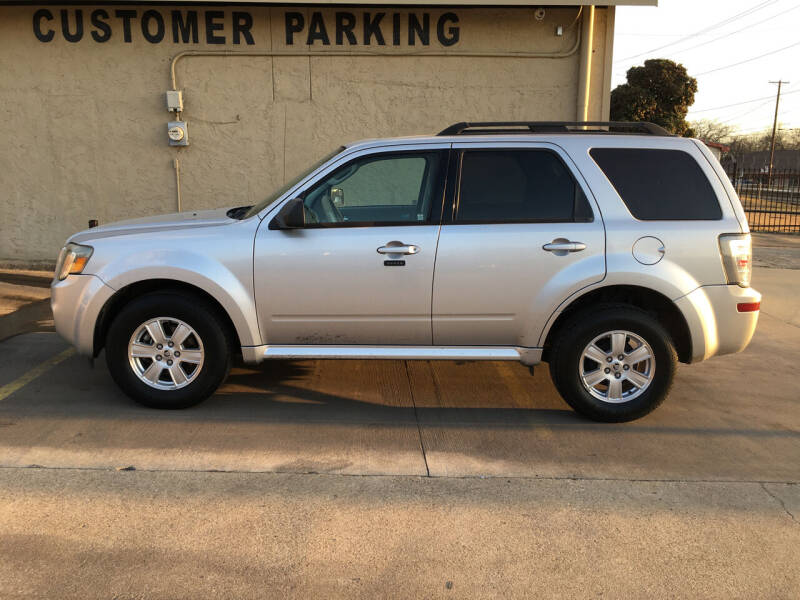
pixel 25 379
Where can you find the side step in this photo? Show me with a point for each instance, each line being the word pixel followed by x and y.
pixel 528 356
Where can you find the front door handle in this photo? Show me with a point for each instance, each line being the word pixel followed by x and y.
pixel 564 246
pixel 399 248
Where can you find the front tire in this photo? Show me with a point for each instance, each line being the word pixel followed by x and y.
pixel 613 364
pixel 168 350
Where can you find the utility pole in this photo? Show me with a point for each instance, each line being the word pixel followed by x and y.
pixel 774 129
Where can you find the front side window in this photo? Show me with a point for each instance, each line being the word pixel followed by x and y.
pixel 382 189
pixel 527 186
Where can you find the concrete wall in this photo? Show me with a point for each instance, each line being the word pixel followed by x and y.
pixel 84 122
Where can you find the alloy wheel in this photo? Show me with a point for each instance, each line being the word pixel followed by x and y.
pixel 617 366
pixel 166 353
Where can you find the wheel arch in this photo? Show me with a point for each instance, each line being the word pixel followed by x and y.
pixel 659 306
pixel 125 295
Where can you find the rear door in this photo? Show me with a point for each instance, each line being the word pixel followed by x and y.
pixel 520 235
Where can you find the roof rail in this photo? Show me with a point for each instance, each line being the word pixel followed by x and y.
pixel 527 127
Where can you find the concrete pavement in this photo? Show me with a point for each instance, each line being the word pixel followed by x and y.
pixel 107 534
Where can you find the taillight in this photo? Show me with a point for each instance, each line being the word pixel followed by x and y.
pixel 737 257
pixel 748 306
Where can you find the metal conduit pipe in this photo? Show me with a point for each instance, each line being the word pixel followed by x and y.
pixel 371 53
pixel 177 165
pixel 585 74
pixel 361 53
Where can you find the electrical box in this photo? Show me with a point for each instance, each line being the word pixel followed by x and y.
pixel 175 101
pixel 178 133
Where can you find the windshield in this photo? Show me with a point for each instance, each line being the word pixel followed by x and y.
pixel 257 208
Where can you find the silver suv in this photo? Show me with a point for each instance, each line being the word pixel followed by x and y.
pixel 609 250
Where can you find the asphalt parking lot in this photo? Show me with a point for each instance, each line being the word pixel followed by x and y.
pixel 403 479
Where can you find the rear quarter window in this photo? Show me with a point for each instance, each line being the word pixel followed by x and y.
pixel 659 185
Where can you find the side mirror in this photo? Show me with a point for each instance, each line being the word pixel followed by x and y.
pixel 291 216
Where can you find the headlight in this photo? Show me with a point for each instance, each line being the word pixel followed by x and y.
pixel 72 259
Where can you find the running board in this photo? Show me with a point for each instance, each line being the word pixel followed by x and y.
pixel 528 356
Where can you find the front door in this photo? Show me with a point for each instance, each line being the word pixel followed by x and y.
pixel 520 237
pixel 361 270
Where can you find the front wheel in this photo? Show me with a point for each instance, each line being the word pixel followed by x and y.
pixel 613 364
pixel 166 350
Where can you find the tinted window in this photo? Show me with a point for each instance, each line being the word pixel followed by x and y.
pixel 382 189
pixel 518 185
pixel 659 185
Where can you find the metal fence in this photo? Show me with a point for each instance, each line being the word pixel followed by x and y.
pixel 771 203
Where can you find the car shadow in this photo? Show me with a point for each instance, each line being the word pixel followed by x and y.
pixel 359 416
pixel 387 393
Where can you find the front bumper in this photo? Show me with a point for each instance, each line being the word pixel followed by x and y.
pixel 76 302
pixel 715 324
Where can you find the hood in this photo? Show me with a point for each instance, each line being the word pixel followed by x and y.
pixel 169 222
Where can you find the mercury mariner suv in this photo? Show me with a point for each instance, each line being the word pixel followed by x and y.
pixel 609 250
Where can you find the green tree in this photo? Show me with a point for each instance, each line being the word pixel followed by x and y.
pixel 661 92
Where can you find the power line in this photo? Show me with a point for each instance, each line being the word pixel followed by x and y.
pixel 747 131
pixel 760 130
pixel 741 62
pixel 740 103
pixel 706 30
pixel 766 130
pixel 752 110
pixel 769 100
pixel 716 39
pixel 650 35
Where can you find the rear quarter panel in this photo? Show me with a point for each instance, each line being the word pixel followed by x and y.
pixel 691 256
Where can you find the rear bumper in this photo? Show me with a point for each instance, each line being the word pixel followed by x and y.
pixel 715 323
pixel 76 303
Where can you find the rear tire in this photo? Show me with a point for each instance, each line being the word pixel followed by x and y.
pixel 168 350
pixel 589 374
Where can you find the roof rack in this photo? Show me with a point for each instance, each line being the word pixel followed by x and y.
pixel 527 127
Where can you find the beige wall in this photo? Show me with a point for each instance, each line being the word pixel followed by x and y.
pixel 84 123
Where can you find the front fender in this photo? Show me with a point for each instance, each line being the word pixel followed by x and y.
pixel 230 285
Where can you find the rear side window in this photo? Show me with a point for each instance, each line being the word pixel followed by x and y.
pixel 526 186
pixel 659 185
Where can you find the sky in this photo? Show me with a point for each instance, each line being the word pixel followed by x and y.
pixel 709 37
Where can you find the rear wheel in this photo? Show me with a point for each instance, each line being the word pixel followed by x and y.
pixel 613 364
pixel 167 350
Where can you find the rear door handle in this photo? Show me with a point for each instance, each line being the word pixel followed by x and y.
pixel 564 247
pixel 399 249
